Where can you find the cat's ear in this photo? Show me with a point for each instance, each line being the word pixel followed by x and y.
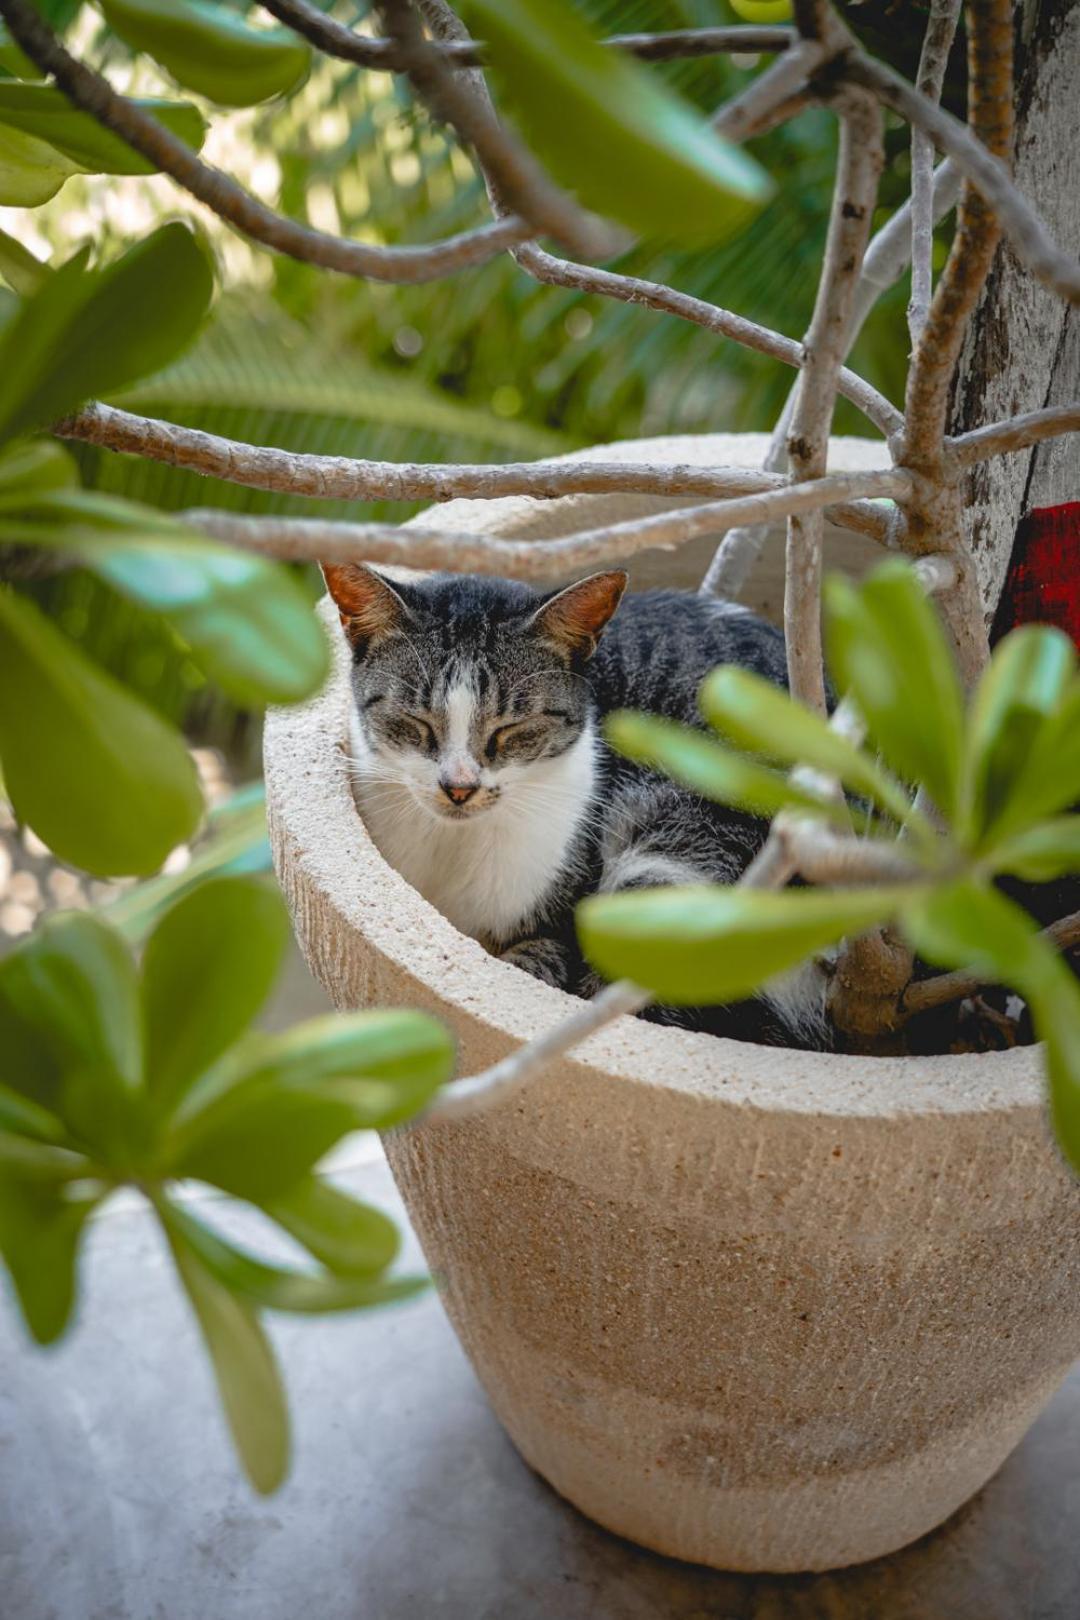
pixel 574 618
pixel 368 604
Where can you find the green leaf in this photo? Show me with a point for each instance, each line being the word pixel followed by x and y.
pixel 343 1234
pixel 707 944
pixel 1047 851
pixel 31 171
pixel 752 713
pixel 1051 777
pixel 247 620
pixel 28 1159
pixel 210 49
pixel 279 1103
pixel 40 1228
pixel 24 1117
pixel 244 1363
pixel 77 140
pixel 101 780
pixel 888 649
pixel 967 925
pixel 84 332
pixel 699 763
pixel 1027 681
pixel 611 130
pixel 208 967
pixel 279 1289
pixel 32 468
pixel 23 273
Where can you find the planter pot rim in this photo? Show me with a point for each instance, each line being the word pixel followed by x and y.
pixel 321 841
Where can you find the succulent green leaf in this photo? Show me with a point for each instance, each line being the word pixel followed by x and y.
pixel 700 763
pixel 279 1289
pixel 210 49
pixel 707 944
pixel 611 131
pixel 341 1233
pixel 85 332
pixel 207 969
pixel 1050 850
pixel 246 1369
pixel 22 1116
pixel 968 925
pixel 887 648
pixel 1051 777
pixel 105 783
pixel 40 1228
pixel 265 1140
pixel 76 139
pixel 23 273
pixel 1024 686
pixel 752 713
pixel 31 171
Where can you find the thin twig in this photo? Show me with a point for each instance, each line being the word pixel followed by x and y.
pixel 933 62
pixel 416 545
pixel 923 994
pixel 1030 238
pixel 746 114
pixel 521 181
pixel 858 167
pixel 999 438
pixel 820 855
pixel 226 198
pixel 335 39
pixel 339 478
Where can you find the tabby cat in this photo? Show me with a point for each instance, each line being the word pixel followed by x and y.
pixel 482 774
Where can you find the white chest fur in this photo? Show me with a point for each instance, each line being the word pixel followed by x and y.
pixel 490 874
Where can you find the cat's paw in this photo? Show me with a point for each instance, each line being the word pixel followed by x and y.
pixel 543 958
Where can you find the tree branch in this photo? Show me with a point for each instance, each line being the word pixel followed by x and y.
pixel 999 438
pixel 415 545
pixel 859 164
pixel 522 184
pixel 933 62
pixel 924 994
pixel 335 39
pixel 227 199
pixel 780 86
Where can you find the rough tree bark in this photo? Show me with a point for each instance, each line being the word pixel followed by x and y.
pixel 1023 347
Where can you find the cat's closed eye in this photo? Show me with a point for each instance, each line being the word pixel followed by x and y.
pixel 516 737
pixel 414 732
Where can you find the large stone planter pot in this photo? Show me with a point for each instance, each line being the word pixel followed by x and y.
pixel 761 1309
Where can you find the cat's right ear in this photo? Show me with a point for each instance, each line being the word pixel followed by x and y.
pixel 368 604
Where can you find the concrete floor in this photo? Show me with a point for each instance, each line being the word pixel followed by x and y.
pixel 119 1497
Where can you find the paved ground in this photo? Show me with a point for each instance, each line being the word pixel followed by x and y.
pixel 119 1499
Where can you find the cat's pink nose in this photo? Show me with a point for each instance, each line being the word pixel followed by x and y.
pixel 459 792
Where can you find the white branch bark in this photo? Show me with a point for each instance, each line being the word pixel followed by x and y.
pixel 933 62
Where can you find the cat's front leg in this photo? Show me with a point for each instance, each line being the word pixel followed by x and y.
pixel 546 959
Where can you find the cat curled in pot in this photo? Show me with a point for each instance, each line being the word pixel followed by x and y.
pixel 482 774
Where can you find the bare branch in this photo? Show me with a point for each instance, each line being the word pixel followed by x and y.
pixel 338 478
pixel 1031 241
pixel 748 113
pixel 936 355
pixel 416 545
pixel 859 164
pixel 229 200
pixel 522 184
pixel 924 994
pixel 655 295
pixel 1016 434
pixel 820 855
pixel 886 259
pixel 335 39
pixel 933 62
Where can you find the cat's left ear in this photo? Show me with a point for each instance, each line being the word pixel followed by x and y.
pixel 574 619
pixel 368 604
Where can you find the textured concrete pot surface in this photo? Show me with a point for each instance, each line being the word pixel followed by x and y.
pixel 760 1309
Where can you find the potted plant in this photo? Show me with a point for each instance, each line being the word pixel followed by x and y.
pixel 735 1302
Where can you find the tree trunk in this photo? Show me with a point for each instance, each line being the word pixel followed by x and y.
pixel 1023 347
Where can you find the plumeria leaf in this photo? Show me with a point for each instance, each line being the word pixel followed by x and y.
pixel 887 648
pixel 1047 851
pixel 280 1289
pixel 612 131
pixel 709 944
pixel 44 114
pixel 246 1369
pixel 209 49
pixel 1025 684
pixel 40 1228
pixel 343 1234
pixel 100 779
pixel 703 765
pixel 86 332
pixel 207 969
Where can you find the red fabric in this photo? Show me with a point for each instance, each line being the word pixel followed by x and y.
pixel 1043 582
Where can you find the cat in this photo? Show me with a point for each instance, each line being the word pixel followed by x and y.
pixel 483 777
